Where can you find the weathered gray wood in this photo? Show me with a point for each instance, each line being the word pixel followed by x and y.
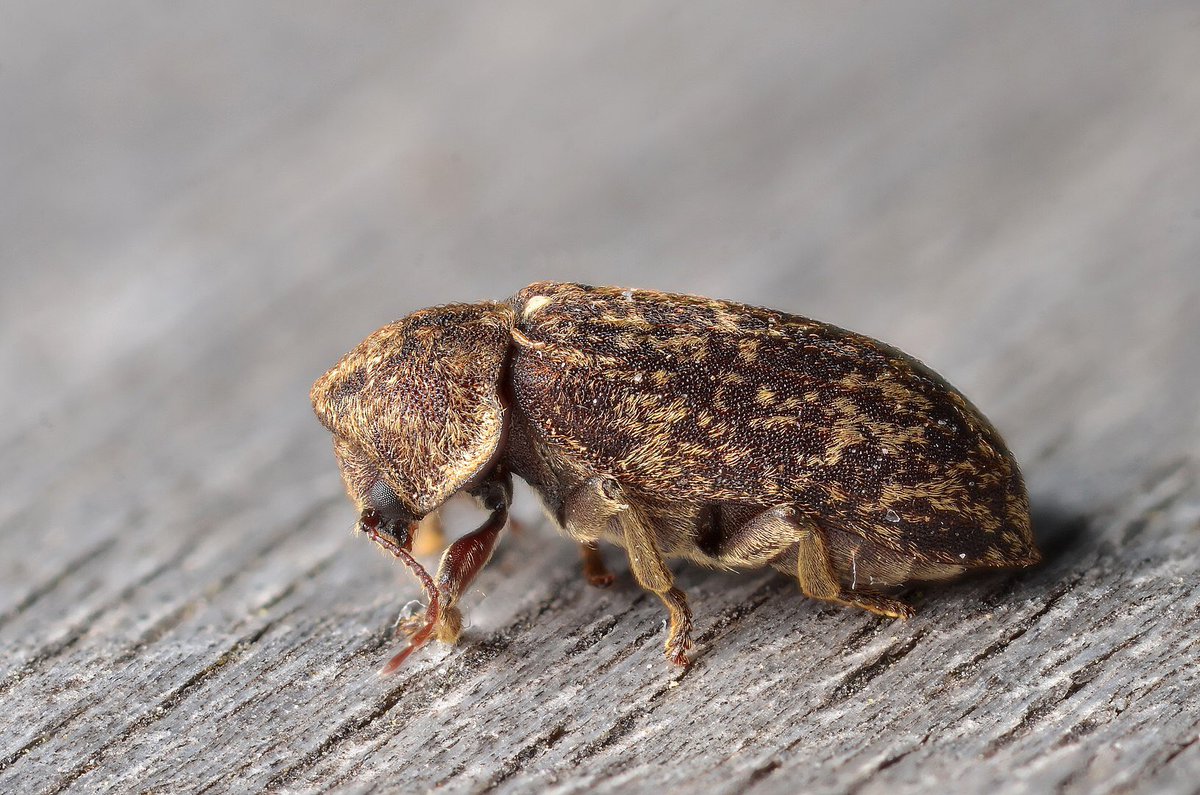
pixel 204 206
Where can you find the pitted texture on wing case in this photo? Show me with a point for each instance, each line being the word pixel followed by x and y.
pixel 686 398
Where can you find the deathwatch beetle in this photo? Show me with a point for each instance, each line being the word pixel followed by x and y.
pixel 673 426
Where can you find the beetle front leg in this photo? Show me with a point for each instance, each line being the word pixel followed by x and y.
pixel 465 558
pixel 460 564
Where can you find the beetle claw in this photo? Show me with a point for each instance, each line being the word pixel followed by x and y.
pixel 879 605
pixel 678 651
pixel 407 626
pixel 415 642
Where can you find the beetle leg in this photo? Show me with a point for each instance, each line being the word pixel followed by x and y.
pixel 652 573
pixel 770 533
pixel 467 556
pixel 587 515
pixel 679 635
pixel 879 605
pixel 817 579
pixel 760 539
pixel 460 564
pixel 594 568
pixel 646 563
pixel 464 559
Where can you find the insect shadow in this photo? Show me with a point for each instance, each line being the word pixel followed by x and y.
pixel 1061 533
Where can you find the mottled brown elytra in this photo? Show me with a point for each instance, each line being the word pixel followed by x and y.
pixel 673 426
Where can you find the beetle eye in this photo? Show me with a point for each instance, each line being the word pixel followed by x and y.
pixel 382 498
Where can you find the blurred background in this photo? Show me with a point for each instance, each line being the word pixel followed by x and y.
pixel 203 205
pixel 270 181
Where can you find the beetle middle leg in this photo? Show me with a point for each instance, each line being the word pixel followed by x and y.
pixel 594 569
pixel 588 514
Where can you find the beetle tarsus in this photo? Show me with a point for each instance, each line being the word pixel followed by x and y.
pixel 679 635
pixel 878 604
pixel 415 642
pixel 450 627
pixel 678 653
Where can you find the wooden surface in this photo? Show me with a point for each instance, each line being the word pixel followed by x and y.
pixel 203 206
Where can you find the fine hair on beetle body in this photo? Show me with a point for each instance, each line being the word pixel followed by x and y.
pixel 671 426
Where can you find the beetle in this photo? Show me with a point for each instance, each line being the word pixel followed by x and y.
pixel 673 426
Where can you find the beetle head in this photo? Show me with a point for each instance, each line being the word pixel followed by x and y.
pixel 415 411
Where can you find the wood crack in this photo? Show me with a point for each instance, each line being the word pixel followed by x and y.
pixel 527 754
pixel 474 655
pixel 165 704
pixel 890 761
pixel 69 570
pixel 858 678
pixel 960 672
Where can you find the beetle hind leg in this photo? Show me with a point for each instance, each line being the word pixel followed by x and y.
pixel 818 580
